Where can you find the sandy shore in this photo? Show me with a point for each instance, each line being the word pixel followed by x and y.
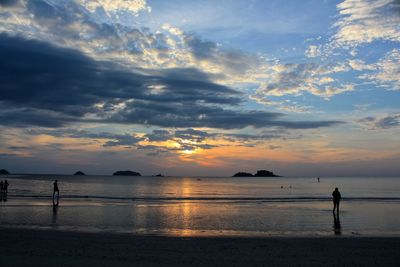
pixel 56 248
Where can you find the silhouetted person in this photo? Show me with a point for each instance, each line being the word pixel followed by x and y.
pixel 55 190
pixel 318 179
pixel 336 200
pixel 337 228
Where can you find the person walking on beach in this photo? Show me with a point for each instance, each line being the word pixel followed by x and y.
pixel 55 190
pixel 336 200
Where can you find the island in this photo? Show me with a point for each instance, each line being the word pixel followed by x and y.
pixel 265 173
pixel 260 173
pixel 126 173
pixel 4 172
pixel 79 173
pixel 242 174
pixel 158 175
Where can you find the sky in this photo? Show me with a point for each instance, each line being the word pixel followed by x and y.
pixel 202 87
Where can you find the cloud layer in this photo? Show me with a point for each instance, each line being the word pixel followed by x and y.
pixel 50 86
pixel 365 21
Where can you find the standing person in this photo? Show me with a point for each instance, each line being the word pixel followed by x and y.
pixel 55 190
pixel 318 179
pixel 336 200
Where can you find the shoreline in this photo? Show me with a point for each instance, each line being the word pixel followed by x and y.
pixel 23 247
pixel 191 233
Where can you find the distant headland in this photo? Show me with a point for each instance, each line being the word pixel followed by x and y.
pixel 260 173
pixel 4 172
pixel 126 173
pixel 79 173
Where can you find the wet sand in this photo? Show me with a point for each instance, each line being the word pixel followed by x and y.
pixel 56 248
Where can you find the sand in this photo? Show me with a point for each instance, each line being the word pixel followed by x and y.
pixel 56 248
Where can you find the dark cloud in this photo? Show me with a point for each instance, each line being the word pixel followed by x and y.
pixel 386 122
pixel 255 137
pixel 233 60
pixel 21 117
pixel 192 135
pixel 6 3
pixel 50 86
pixel 123 140
pixel 113 139
pixel 159 136
pixel 201 49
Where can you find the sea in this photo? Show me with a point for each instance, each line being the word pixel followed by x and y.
pixel 204 206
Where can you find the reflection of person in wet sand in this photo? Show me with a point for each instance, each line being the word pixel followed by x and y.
pixel 6 184
pixel 336 200
pixel 1 190
pixel 337 228
pixel 55 210
pixel 56 190
pixel 4 190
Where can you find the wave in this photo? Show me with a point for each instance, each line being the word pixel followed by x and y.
pixel 178 199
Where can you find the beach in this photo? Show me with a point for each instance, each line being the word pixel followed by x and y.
pixel 21 247
pixel 191 221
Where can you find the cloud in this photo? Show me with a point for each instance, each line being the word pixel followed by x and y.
pixel 159 136
pixel 296 79
pixel 88 26
pixel 112 6
pixel 264 135
pixel 7 3
pixel 108 31
pixel 232 65
pixel 50 86
pixel 313 51
pixel 112 139
pixel 386 71
pixel 192 135
pixel 183 140
pixel 382 122
pixel 365 21
pixel 272 147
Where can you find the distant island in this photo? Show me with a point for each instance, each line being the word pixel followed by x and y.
pixel 265 173
pixel 242 174
pixel 79 173
pixel 126 173
pixel 4 172
pixel 158 175
pixel 260 173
